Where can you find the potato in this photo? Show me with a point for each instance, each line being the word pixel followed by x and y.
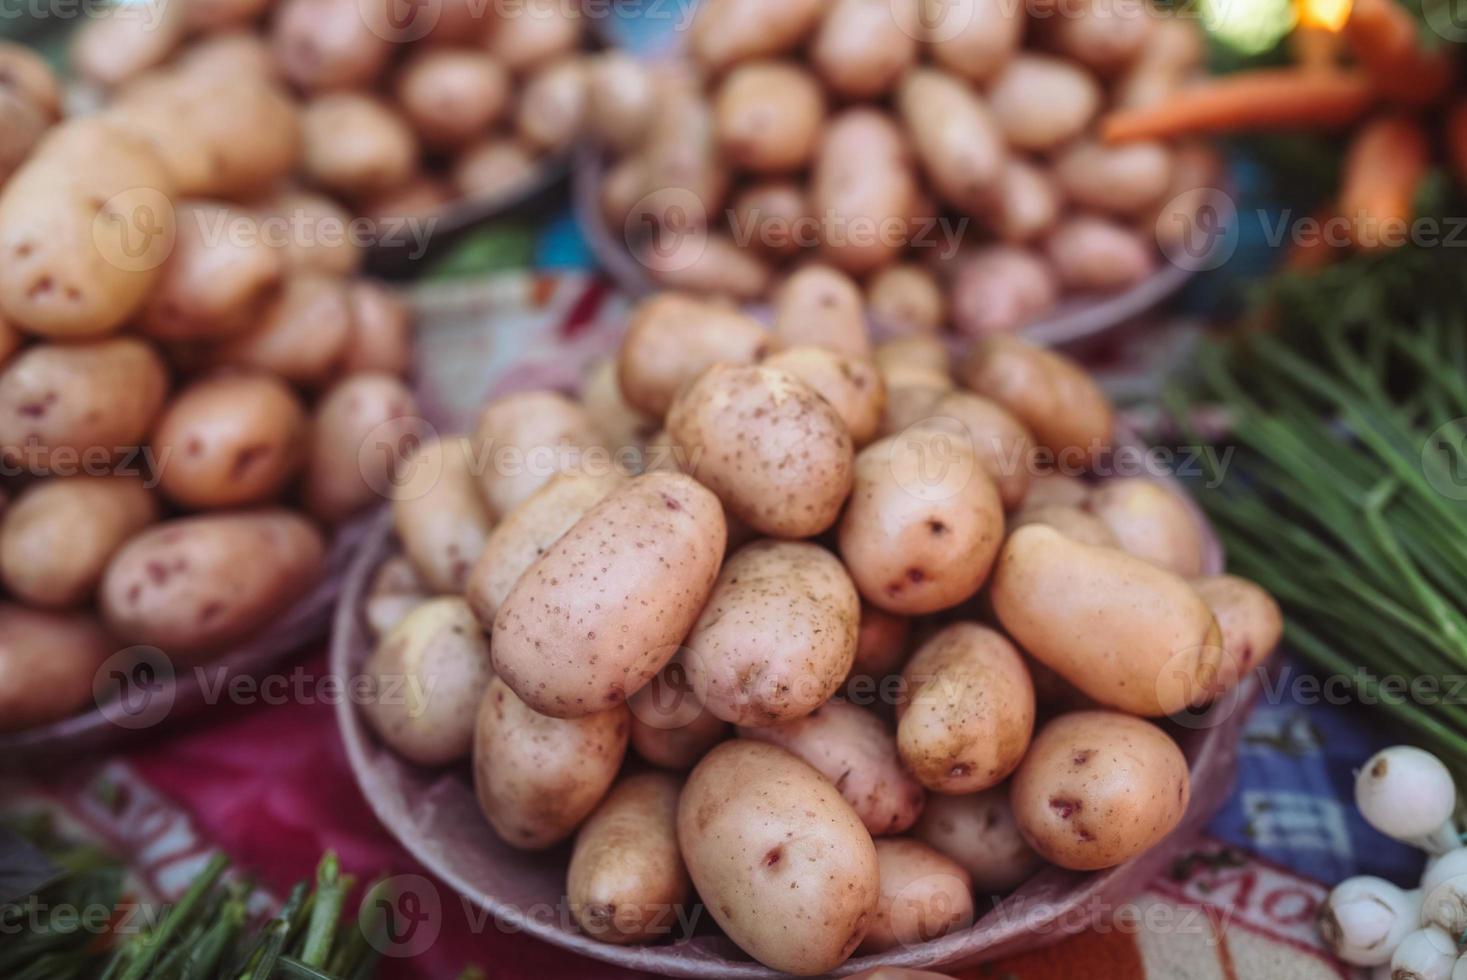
pixel 492 168
pixel 775 452
pixel 1098 788
pixel 22 124
pixel 526 531
pixel 954 136
pixel 821 307
pixel 1050 394
pixel 1000 442
pixel 1041 102
pixel 1196 169
pixel 768 115
pixel 58 535
pixel 312 233
pixel 1151 521
pixel 710 265
pixel 229 53
pixel 1052 489
pixel 1129 634
pixel 451 96
pixel 67 405
pixel 552 106
pixel 427 677
pixel 1000 288
pixel 1074 523
pixel 862 47
pixel 538 777
pixel 439 515
pixel 1249 618
pixel 626 882
pixel 856 751
pixel 1116 179
pixel 396 589
pixel 357 434
pixel 726 32
pixel 850 384
pixel 925 354
pixel 381 336
pixel 779 858
pixel 85 225
pixel 1023 203
pixel 526 439
pixel 531 34
pixel 924 895
pixel 686 173
pixel 48 663
pixel 968 715
pixel 325 45
pixel 773 217
pixel 1105 35
pixel 881 643
pixel 355 144
pixel 1097 255
pixel 670 726
pixel 923 525
pixel 122 41
pixel 217 279
pixel 218 15
pixel 978 831
pixel 401 212
pixel 605 607
pixel 777 636
pixel 863 186
pixel 906 298
pixel 622 94
pixel 974 38
pixel 672 339
pixel 230 441
pixel 192 585
pixel 623 427
pixel 27 75
pixel 301 336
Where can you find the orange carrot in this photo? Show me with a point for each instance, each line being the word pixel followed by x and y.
pixel 1456 140
pixel 1383 168
pixel 1270 98
pixel 1386 43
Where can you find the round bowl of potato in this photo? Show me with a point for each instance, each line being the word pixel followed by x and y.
pixel 752 651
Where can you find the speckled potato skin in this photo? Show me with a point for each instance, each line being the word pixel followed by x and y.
pixel 606 606
pixel 779 858
pixel 1249 618
pixel 525 440
pixel 978 831
pixel 775 452
pixel 439 515
pixel 1099 787
pixel 856 751
pixel 626 882
pixel 1150 522
pixel 537 777
pixel 358 424
pixel 819 306
pixel 59 534
pixel 527 531
pixel 851 385
pixel 924 895
pixel 429 675
pixel 969 709
pixel 1125 632
pixel 86 400
pixel 923 524
pixel 777 636
pixel 230 441
pixel 48 661
pixel 1004 448
pixel 1050 394
pixel 191 585
pixel 673 338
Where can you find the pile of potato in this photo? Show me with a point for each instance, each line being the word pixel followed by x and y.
pixel 186 409
pixel 876 646
pixel 871 132
pixel 396 113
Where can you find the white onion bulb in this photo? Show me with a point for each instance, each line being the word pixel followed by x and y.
pixel 1364 919
pixel 1427 954
pixel 1407 794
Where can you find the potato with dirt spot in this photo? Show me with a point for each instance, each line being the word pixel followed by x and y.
pixel 672 338
pixel 439 514
pixel 856 751
pixel 923 524
pixel 726 32
pixel 864 188
pixel 768 116
pixel 851 385
pixel 968 713
pixel 302 335
pixel 355 443
pixel 229 441
pixel 1151 521
pixel 978 831
pixel 781 861
pixel 57 536
pixel 527 438
pixel 819 306
pixel 626 882
pixel 191 585
pixel 427 677
pixel 775 452
pixel 1128 633
pixel 974 38
pixel 863 47
pixel 670 727
pixel 1041 102
pixel 924 896
pixel 64 404
pixel 1098 788
pixel 606 606
pixel 48 662
pixel 1249 618
pixel 537 777
pixel 528 531
pixel 954 136
pixel 450 96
